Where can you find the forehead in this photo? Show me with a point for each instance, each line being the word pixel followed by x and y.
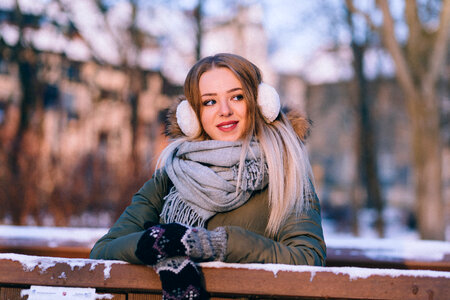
pixel 218 80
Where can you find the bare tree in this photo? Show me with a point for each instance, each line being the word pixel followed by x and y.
pixel 20 163
pixel 366 145
pixel 198 16
pixel 418 63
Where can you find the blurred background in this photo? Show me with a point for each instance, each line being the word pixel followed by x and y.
pixel 85 86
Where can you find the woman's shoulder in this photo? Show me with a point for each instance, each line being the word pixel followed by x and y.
pixel 159 183
pixel 160 173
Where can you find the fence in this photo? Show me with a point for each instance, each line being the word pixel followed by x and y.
pixel 28 275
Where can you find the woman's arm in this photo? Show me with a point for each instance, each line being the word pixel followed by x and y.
pixel 299 242
pixel 121 240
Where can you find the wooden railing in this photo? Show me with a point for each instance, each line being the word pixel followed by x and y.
pixel 21 274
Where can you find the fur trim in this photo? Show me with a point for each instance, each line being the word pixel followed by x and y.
pixel 300 123
pixel 172 128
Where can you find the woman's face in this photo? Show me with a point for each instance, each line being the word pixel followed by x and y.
pixel 223 112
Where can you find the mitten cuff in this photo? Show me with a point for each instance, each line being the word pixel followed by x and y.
pixel 219 239
pixel 205 245
pixel 180 279
pixel 174 264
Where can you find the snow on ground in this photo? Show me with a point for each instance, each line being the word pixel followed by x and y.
pixel 53 236
pixel 391 249
pixel 399 243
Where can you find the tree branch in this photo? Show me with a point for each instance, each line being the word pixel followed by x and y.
pixel 354 10
pixel 402 70
pixel 413 21
pixel 439 49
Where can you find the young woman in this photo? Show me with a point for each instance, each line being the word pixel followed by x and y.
pixel 235 185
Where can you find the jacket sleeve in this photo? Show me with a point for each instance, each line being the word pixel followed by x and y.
pixel 299 242
pixel 121 240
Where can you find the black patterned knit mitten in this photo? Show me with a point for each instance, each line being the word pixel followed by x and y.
pixel 180 279
pixel 169 240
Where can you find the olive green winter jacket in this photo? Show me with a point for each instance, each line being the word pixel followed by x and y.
pixel 299 242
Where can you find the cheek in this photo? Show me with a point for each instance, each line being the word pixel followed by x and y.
pixel 244 114
pixel 243 110
pixel 205 117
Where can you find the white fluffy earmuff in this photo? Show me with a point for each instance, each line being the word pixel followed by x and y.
pixel 268 102
pixel 187 119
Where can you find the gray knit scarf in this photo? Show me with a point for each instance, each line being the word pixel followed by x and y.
pixel 205 175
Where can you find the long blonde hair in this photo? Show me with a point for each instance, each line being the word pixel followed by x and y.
pixel 290 176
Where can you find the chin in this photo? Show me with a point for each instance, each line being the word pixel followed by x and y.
pixel 227 138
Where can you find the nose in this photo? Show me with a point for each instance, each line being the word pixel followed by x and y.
pixel 225 109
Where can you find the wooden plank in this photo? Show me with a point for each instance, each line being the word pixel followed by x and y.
pixel 325 283
pixel 10 293
pixel 133 296
pixel 232 279
pixel 233 297
pixel 77 273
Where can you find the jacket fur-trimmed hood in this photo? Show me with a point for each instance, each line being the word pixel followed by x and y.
pixel 300 123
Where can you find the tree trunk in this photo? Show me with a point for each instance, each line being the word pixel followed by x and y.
pixel 427 159
pixel 366 144
pixel 198 15
pixel 419 85
pixel 368 147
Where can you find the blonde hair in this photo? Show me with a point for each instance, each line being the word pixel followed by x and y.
pixel 285 155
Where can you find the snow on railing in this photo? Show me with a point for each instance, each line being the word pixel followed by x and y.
pixel 21 272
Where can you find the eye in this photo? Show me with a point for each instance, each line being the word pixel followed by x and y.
pixel 209 102
pixel 237 97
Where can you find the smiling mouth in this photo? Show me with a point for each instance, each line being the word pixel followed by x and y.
pixel 227 126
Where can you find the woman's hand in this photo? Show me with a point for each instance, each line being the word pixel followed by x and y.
pixel 162 241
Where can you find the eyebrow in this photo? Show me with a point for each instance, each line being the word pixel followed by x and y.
pixel 229 91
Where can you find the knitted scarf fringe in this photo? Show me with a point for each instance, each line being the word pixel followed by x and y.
pixel 176 210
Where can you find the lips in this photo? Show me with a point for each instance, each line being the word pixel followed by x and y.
pixel 227 126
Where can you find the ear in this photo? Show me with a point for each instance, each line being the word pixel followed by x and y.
pixel 301 124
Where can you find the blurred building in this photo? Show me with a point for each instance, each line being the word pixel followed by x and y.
pixel 101 111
